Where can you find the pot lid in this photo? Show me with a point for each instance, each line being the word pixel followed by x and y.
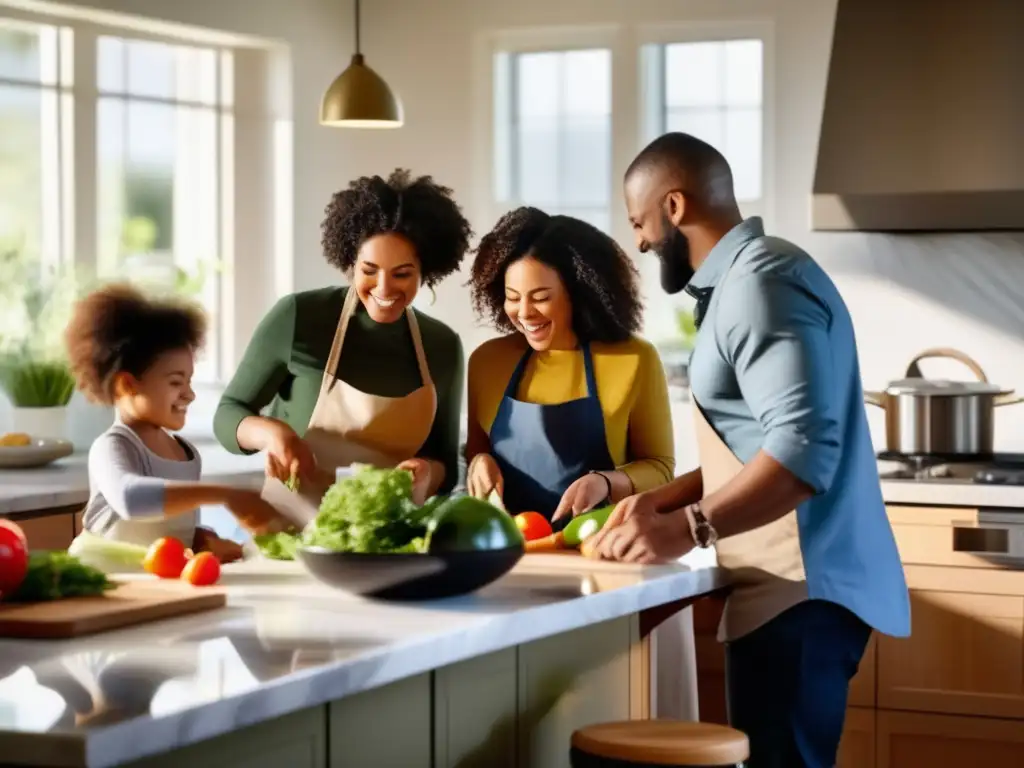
pixel 939 387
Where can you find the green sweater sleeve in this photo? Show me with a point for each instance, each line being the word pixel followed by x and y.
pixel 261 373
pixel 447 370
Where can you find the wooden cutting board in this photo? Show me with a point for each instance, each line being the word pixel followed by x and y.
pixel 572 560
pixel 132 602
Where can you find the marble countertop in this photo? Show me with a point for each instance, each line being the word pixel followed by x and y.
pixel 66 482
pixel 106 699
pixel 953 493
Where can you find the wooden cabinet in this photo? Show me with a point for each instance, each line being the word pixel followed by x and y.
pixel 857 748
pixel 297 741
pixel 475 712
pixel 710 653
pixel 55 531
pixel 564 683
pixel 965 656
pixel 913 740
pixel 390 725
pixel 863 685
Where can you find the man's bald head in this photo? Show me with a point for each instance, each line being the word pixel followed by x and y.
pixel 679 161
pixel 680 201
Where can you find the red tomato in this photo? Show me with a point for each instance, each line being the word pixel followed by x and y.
pixel 533 525
pixel 13 557
pixel 202 570
pixel 166 558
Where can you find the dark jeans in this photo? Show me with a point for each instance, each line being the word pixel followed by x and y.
pixel 788 681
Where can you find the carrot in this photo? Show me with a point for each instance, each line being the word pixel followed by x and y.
pixel 551 543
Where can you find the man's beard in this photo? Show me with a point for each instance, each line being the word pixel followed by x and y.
pixel 674 254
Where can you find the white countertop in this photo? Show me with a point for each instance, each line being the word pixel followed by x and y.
pixel 269 653
pixel 66 482
pixel 953 493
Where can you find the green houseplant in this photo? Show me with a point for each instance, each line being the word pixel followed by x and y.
pixel 34 376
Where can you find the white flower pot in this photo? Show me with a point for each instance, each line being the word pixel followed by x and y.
pixel 41 422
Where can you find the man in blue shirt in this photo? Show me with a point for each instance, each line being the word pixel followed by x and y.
pixel 787 489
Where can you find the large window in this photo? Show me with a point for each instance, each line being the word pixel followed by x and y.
pixel 119 156
pixel 162 119
pixel 554 132
pixel 713 89
pixel 35 120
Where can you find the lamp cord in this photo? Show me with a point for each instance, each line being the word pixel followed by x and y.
pixel 357 28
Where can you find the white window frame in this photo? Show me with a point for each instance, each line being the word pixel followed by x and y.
pixel 650 86
pixel 255 166
pixel 630 105
pixel 492 134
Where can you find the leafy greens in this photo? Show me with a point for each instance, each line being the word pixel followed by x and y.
pixel 371 511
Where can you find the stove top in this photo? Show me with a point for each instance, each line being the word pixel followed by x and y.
pixel 991 469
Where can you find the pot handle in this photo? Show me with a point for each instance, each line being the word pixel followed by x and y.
pixel 914 372
pixel 874 398
pixel 1007 398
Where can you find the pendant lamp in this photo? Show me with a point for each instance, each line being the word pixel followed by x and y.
pixel 359 97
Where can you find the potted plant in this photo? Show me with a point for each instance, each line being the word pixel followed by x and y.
pixel 34 376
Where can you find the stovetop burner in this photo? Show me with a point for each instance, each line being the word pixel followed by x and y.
pixel 988 469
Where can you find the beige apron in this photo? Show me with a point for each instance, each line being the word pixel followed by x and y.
pixel 349 426
pixel 766 564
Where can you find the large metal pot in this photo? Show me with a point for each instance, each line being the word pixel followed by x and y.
pixel 937 417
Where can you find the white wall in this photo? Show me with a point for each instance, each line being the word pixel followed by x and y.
pixel 905 293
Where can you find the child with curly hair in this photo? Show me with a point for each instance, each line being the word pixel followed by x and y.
pixel 569 410
pixel 137 354
pixel 354 374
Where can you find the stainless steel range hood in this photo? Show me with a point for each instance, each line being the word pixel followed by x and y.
pixel 923 127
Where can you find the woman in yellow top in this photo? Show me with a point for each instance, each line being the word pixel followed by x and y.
pixel 570 409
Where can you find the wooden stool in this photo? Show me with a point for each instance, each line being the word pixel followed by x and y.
pixel 650 743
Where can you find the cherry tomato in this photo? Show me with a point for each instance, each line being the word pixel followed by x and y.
pixel 533 525
pixel 13 557
pixel 166 558
pixel 202 570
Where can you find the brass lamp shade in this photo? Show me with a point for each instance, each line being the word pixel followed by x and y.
pixel 359 98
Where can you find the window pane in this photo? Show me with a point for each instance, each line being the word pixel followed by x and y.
pixel 30 172
pixel 537 160
pixel 538 83
pixel 586 163
pixel 21 174
pixel 197 75
pixel 150 69
pixel 694 74
pixel 588 82
pixel 743 151
pixel 561 131
pixel 743 64
pixel 158 198
pixel 20 52
pixel 705 123
pixel 110 64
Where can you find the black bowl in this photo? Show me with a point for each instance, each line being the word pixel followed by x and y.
pixel 409 576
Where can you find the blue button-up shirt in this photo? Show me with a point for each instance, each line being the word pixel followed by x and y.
pixel 775 369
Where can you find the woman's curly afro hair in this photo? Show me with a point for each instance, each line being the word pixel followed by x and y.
pixel 420 210
pixel 117 329
pixel 602 283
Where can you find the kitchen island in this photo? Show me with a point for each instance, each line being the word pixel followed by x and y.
pixel 294 673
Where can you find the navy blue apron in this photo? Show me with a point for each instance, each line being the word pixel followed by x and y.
pixel 542 449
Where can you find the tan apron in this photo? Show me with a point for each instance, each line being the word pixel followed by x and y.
pixel 349 426
pixel 766 564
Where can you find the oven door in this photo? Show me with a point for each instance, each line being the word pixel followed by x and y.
pixel 997 536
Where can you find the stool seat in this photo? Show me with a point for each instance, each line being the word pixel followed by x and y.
pixel 663 742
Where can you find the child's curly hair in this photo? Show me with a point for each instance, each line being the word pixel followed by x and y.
pixel 118 329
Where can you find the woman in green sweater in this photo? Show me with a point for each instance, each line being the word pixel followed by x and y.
pixel 355 374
